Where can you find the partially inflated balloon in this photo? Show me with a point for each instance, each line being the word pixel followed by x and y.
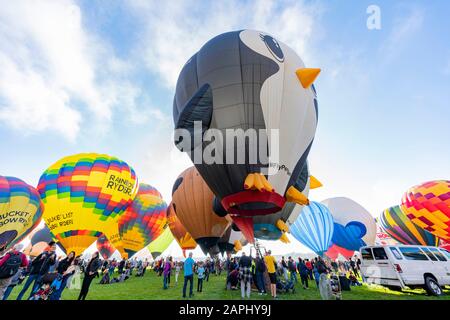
pixel 335 251
pixel 428 206
pixel 104 247
pixel 395 223
pixel 354 226
pixel 314 227
pixel 179 232
pixel 192 201
pixel 21 210
pixel 84 196
pixel 248 80
pixel 143 221
pixel 161 243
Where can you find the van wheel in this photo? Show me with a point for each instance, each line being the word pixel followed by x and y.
pixel 432 287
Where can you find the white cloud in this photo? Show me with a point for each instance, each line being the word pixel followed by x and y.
pixel 175 30
pixel 55 72
pixel 403 30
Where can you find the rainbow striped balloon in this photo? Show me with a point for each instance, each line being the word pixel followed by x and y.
pixel 84 196
pixel 21 210
pixel 144 220
pixel 396 224
pixel 428 206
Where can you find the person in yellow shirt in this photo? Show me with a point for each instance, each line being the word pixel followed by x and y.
pixel 270 264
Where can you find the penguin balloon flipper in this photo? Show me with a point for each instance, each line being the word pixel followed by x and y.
pixel 198 110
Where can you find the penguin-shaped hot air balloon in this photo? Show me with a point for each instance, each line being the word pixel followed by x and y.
pixel 245 80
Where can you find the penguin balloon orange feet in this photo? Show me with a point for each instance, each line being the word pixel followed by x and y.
pixel 257 181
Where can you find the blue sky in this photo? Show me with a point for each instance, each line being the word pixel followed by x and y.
pixel 99 76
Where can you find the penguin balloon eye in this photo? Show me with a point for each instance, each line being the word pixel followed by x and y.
pixel 273 46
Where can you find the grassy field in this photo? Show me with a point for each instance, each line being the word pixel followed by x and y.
pixel 150 288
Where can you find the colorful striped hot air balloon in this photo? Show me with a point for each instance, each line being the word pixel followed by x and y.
pixel 161 243
pixel 396 224
pixel 84 196
pixel 428 206
pixel 144 220
pixel 314 227
pixel 21 210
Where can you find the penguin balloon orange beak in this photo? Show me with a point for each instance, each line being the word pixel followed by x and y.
pixel 307 76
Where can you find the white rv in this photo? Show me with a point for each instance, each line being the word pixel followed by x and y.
pixel 400 266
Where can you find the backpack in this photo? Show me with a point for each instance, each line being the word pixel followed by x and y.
pixel 11 266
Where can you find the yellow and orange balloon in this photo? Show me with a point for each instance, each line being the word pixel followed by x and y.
pixel 84 196
pixel 428 206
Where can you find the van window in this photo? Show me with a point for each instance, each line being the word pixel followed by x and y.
pixel 438 254
pixel 446 252
pixel 396 253
pixel 413 253
pixel 366 254
pixel 379 254
pixel 429 254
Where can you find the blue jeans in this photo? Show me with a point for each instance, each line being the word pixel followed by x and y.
pixel 31 278
pixel 165 281
pixel 191 280
pixel 56 295
pixel 294 276
pixel 260 282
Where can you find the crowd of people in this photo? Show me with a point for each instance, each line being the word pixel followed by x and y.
pixel 48 275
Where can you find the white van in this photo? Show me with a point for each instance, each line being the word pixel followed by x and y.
pixel 400 266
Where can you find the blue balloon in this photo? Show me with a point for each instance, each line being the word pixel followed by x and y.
pixel 349 236
pixel 314 227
